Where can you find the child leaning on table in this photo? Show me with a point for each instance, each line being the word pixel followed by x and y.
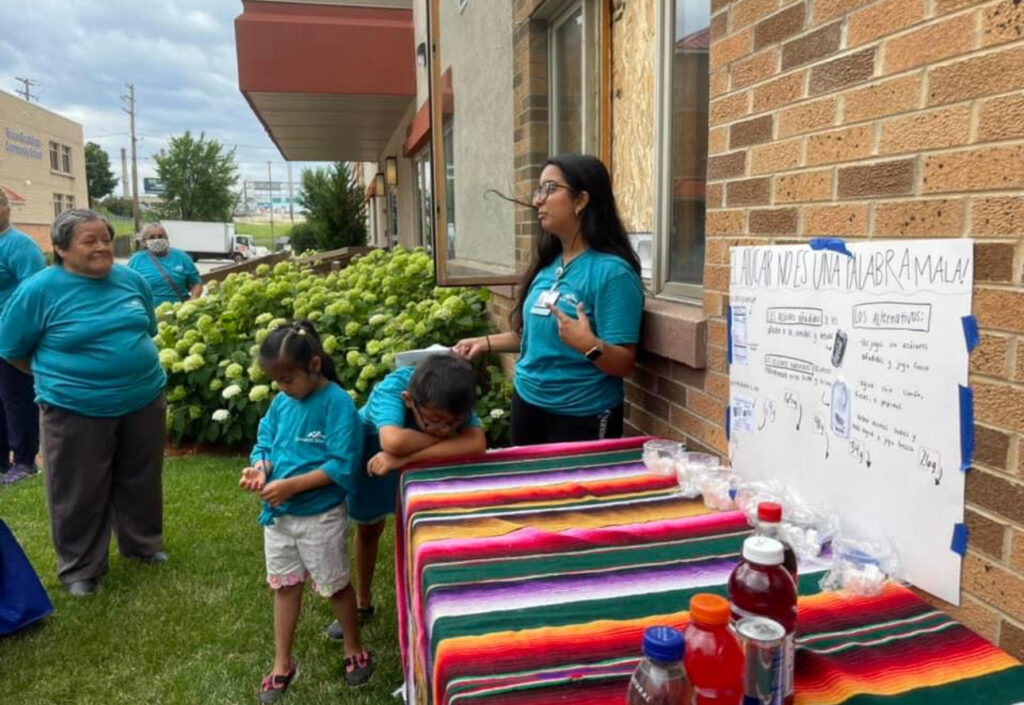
pixel 308 451
pixel 413 415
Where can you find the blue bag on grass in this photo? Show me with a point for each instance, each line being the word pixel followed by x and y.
pixel 23 600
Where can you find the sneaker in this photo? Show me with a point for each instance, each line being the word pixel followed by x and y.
pixel 82 588
pixel 156 558
pixel 358 668
pixel 273 687
pixel 334 631
pixel 17 474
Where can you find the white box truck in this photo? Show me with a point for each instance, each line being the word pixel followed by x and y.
pixel 208 240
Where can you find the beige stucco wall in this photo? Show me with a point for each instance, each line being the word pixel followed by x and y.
pixel 26 130
pixel 633 114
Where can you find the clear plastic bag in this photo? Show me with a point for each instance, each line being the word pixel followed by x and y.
pixel 751 494
pixel 861 566
pixel 808 529
pixel 662 456
pixel 718 487
pixel 691 468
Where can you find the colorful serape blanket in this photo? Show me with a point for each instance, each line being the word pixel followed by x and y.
pixel 528 577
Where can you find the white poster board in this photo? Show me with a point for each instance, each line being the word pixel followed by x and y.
pixel 846 371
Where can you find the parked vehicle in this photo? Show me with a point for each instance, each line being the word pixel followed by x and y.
pixel 209 240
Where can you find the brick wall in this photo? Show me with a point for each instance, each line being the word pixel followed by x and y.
pixel 885 119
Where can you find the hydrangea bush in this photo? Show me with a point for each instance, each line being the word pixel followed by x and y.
pixel 379 305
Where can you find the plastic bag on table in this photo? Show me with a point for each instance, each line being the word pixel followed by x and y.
pixel 861 566
pixel 691 467
pixel 808 528
pixel 718 487
pixel 751 494
pixel 662 456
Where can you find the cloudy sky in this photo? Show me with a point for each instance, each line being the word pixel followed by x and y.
pixel 180 54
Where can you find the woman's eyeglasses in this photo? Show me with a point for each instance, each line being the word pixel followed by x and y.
pixel 547 188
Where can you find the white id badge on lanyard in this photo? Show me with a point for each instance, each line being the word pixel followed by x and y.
pixel 549 297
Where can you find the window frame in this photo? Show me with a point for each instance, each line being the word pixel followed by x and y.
pixel 54 157
pixel 58 205
pixel 423 172
pixel 69 201
pixel 664 59
pixel 591 78
pixel 66 163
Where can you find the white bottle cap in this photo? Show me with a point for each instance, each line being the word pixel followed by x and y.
pixel 763 550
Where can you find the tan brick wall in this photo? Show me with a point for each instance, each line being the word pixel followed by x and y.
pixel 878 118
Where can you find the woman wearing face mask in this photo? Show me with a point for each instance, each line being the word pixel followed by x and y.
pixel 576 323
pixel 170 272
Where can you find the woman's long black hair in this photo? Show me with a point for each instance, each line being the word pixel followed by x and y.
pixel 600 224
pixel 296 345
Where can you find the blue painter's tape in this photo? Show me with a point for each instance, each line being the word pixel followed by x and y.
pixel 728 422
pixel 970 332
pixel 728 331
pixel 836 244
pixel 966 427
pixel 960 535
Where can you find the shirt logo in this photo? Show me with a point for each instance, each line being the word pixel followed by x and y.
pixel 135 304
pixel 313 437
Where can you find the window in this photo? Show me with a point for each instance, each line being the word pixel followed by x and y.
pixel 58 204
pixel 574 80
pixel 682 147
pixel 69 202
pixel 65 158
pixel 54 156
pixel 60 158
pixel 424 200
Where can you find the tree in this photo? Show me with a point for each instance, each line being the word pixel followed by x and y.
pixel 199 176
pixel 334 206
pixel 116 205
pixel 98 175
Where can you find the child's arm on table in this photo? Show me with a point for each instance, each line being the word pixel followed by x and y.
pixel 399 441
pixel 469 441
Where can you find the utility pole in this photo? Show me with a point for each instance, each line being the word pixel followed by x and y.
pixel 291 195
pixel 26 92
pixel 135 163
pixel 124 173
pixel 270 185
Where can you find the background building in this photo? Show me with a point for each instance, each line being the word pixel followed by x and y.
pixel 723 122
pixel 42 165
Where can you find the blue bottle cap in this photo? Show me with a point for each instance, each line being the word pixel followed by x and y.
pixel 663 644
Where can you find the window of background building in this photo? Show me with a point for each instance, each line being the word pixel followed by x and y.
pixel 54 156
pixel 69 202
pixel 424 200
pixel 682 147
pixel 65 159
pixel 58 204
pixel 574 79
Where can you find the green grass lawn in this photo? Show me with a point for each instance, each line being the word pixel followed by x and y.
pixel 196 630
pixel 261 231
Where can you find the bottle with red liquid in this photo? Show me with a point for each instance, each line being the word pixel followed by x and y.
pixel 714 657
pixel 760 586
pixel 769 516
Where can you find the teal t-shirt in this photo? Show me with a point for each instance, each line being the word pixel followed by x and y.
pixel 179 267
pixel 549 373
pixel 298 436
pixel 89 341
pixel 20 258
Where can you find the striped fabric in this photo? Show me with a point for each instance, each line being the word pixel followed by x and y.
pixel 529 579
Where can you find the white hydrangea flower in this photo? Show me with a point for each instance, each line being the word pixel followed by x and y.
pixel 232 390
pixel 497 413
pixel 221 415
pixel 259 392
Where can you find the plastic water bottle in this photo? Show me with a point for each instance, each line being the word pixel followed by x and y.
pixel 660 678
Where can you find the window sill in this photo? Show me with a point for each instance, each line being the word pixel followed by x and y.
pixel 675 331
pixel 62 173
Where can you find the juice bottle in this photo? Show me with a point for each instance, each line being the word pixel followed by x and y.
pixel 660 678
pixel 769 516
pixel 761 587
pixel 714 658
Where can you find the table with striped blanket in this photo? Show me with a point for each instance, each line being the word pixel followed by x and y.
pixel 529 578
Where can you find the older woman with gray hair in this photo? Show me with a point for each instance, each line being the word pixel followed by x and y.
pixel 85 328
pixel 20 258
pixel 171 273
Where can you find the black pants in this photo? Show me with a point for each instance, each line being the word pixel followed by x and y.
pixel 532 425
pixel 19 417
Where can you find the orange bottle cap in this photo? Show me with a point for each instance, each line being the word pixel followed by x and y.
pixel 709 609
